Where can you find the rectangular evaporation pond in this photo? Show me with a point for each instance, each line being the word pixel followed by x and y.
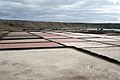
pixel 82 34
pixel 67 40
pixel 62 34
pixel 114 37
pixel 40 33
pixel 45 34
pixel 12 33
pixel 117 38
pixel 65 33
pixel 23 41
pixel 29 45
pixel 17 33
pixel 101 39
pixel 3 32
pixel 83 37
pixel 20 37
pixel 114 42
pixel 85 44
pixel 75 35
pixel 111 52
pixel 36 32
pixel 54 37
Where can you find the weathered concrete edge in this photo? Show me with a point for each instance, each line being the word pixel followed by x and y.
pixel 109 59
pixel 29 48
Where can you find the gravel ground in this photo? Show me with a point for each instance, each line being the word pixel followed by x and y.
pixel 110 52
pixel 55 64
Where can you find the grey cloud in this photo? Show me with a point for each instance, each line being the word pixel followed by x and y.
pixel 60 10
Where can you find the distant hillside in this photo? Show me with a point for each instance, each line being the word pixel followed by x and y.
pixel 22 25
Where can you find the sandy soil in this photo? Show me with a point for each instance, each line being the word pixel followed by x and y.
pixel 55 64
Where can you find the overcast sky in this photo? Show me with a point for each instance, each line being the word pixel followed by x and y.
pixel 61 10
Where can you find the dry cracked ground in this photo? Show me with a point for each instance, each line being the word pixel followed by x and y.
pixel 59 56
